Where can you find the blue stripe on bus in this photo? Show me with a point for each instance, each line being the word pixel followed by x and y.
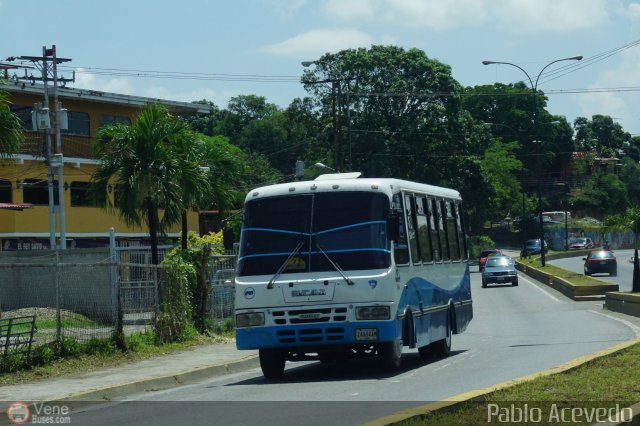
pixel 314 252
pixel 282 231
pixel 308 234
pixel 340 228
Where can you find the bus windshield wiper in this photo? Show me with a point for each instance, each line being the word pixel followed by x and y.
pixel 335 265
pixel 284 265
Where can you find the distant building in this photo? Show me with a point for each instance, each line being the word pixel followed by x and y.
pixel 24 198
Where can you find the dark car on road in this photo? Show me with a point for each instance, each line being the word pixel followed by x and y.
pixel 600 261
pixel 532 247
pixel 499 270
pixel 482 259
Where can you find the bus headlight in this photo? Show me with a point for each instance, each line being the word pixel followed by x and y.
pixel 373 313
pixel 251 319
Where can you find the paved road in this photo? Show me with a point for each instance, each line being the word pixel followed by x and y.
pixel 516 331
pixel 625 268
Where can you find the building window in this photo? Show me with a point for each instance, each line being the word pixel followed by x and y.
pixel 80 195
pixel 106 119
pixel 5 191
pixel 36 192
pixel 78 123
pixel 23 112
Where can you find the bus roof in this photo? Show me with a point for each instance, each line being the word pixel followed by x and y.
pixel 346 182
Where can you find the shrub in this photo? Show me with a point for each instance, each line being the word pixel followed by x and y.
pixel 42 355
pixel 68 347
pixel 12 361
pixel 480 243
pixel 173 321
pixel 137 341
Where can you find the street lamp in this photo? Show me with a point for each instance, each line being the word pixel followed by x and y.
pixel 336 94
pixel 324 167
pixel 534 92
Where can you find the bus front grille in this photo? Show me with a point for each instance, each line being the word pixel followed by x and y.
pixel 309 316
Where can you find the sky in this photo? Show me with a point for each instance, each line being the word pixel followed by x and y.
pixel 214 49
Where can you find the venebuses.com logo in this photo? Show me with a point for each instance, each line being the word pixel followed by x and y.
pixel 18 413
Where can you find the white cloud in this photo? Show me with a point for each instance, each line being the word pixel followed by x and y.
pixel 634 11
pixel 287 9
pixel 546 16
pixel 86 80
pixel 318 42
pixel 618 102
pixel 218 98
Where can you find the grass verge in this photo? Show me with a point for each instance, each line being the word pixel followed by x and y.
pixel 573 277
pixel 103 354
pixel 603 383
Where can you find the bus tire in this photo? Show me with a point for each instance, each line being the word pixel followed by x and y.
pixel 272 363
pixel 390 354
pixel 442 348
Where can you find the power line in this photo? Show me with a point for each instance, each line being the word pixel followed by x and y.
pixel 179 75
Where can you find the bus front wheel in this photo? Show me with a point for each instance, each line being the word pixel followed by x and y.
pixel 390 354
pixel 272 363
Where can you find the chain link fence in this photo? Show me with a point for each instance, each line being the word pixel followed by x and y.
pixel 93 299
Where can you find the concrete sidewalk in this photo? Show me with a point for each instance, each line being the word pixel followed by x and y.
pixel 161 372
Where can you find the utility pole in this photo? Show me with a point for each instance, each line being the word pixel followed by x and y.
pixel 48 63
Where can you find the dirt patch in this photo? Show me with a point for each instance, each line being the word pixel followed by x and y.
pixel 43 313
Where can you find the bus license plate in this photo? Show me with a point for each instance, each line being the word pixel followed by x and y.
pixel 366 334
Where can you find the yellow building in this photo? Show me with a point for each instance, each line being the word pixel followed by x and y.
pixel 24 194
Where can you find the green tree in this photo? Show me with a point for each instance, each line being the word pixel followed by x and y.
pixel 502 168
pixel 201 123
pixel 601 135
pixel 196 184
pixel 402 105
pixel 512 114
pixel 602 194
pixel 630 175
pixel 10 127
pixel 140 160
pixel 629 221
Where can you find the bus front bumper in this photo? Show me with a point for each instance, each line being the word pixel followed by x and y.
pixel 358 333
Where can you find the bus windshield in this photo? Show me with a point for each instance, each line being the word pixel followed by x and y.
pixel 348 229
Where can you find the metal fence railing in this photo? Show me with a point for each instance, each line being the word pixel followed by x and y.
pixel 83 301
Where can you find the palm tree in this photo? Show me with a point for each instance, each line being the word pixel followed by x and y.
pixel 10 128
pixel 629 221
pixel 194 182
pixel 141 161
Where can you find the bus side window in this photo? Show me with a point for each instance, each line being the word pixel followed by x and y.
pixel 452 227
pixel 424 237
pixel 435 233
pixel 400 247
pixel 410 207
pixel 444 237
pixel 461 235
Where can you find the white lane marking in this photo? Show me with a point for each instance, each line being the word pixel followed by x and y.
pixel 541 289
pixel 442 367
pixel 632 326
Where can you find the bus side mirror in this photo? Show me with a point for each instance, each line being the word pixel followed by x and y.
pixel 393 227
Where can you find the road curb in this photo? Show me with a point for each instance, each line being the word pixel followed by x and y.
pixel 114 392
pixel 480 394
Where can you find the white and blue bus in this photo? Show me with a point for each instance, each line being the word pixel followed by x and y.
pixel 343 266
